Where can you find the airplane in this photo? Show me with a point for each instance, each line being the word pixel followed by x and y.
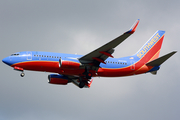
pixel 80 69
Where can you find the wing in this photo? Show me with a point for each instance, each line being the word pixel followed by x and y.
pixel 101 54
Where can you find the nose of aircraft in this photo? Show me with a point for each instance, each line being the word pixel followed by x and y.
pixel 6 61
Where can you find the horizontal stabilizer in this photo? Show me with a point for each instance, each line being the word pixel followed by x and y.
pixel 160 60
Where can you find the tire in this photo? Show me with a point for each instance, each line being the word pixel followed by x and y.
pixel 22 74
pixel 81 84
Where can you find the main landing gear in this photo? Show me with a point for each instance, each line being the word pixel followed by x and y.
pixel 85 78
pixel 87 73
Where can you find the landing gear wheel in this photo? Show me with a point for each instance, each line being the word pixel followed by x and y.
pixel 22 74
pixel 81 84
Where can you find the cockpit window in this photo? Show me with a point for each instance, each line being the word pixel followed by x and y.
pixel 15 54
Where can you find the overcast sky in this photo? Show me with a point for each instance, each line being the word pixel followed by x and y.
pixel 81 26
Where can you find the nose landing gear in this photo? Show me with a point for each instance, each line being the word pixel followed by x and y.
pixel 20 69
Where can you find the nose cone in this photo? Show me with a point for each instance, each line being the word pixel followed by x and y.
pixel 6 61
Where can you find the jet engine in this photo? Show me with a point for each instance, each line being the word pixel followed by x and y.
pixel 58 79
pixel 66 63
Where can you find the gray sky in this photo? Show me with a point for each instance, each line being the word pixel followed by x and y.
pixel 79 27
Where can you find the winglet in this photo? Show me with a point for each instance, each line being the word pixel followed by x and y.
pixel 133 28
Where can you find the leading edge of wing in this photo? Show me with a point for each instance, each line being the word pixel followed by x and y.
pixel 108 47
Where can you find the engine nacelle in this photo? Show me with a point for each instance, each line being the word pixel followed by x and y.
pixel 69 63
pixel 58 79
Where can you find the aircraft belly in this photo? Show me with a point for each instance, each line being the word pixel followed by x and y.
pixel 126 71
pixel 53 66
pixel 47 66
pixel 105 72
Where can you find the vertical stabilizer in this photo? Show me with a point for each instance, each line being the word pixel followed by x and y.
pixel 151 49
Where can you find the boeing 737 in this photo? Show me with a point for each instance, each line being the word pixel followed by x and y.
pixel 80 69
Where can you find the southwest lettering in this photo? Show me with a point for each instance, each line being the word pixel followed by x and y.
pixel 148 45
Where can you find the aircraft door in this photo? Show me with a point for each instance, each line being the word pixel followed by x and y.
pixel 29 55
